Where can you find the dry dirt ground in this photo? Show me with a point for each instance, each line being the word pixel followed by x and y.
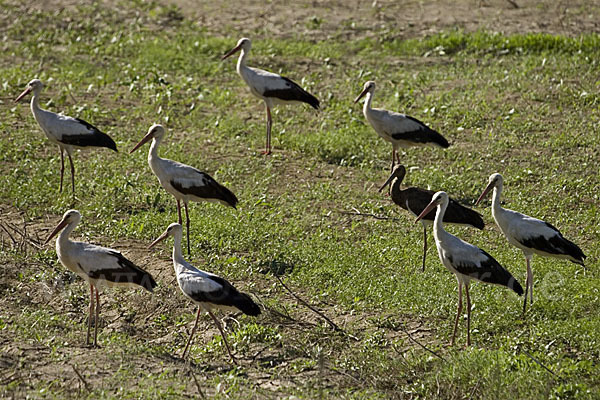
pixel 82 368
pixel 323 19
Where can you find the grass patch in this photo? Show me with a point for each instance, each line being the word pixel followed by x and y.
pixel 523 105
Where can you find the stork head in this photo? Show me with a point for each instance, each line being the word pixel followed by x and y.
pixel 437 199
pixel 70 217
pixel 242 44
pixel 495 180
pixel 174 229
pixel 398 173
pixel 34 85
pixel 369 87
pixel 156 131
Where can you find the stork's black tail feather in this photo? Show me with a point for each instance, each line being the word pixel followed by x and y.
pixel 439 139
pixel 490 271
pixel 574 251
pixel 246 305
pixel 556 244
pixel 228 196
pixel 293 92
pixel 312 100
pixel 97 138
pixel 107 141
pixel 459 214
pixel 127 273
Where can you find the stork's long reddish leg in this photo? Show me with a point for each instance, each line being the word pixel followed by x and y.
pixel 458 312
pixel 97 319
pixel 424 245
pixel 187 223
pixel 223 336
pixel 72 175
pixel 468 314
pixel 62 167
pixel 528 285
pixel 87 340
pixel 192 334
pixel 179 211
pixel 269 123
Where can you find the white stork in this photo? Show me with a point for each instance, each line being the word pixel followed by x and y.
pixel 465 260
pixel 272 88
pixel 398 129
pixel 207 290
pixel 96 265
pixel 67 132
pixel 185 183
pixel 531 235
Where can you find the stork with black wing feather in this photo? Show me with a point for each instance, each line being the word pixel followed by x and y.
pixel 207 290
pixel 272 88
pixel 99 266
pixel 466 261
pixel 184 182
pixel 67 132
pixel 531 235
pixel 401 130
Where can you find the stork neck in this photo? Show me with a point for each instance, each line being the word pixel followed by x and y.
pixel 367 105
pixel 35 102
pixel 177 256
pixel 396 191
pixel 496 198
pixel 241 64
pixel 63 238
pixel 153 153
pixel 438 224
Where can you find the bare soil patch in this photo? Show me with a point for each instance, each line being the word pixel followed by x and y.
pixel 322 19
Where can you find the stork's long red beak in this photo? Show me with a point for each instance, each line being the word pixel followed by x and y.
pixel 426 211
pixel 360 96
pixel 58 228
pixel 487 189
pixel 159 239
pixel 144 140
pixel 232 51
pixel 23 94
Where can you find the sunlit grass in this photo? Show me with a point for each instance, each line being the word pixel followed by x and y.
pixel 523 105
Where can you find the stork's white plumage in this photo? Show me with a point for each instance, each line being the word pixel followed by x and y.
pixel 67 132
pixel 185 183
pixel 207 290
pixel 272 88
pixel 531 235
pixel 398 129
pixel 99 266
pixel 465 260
